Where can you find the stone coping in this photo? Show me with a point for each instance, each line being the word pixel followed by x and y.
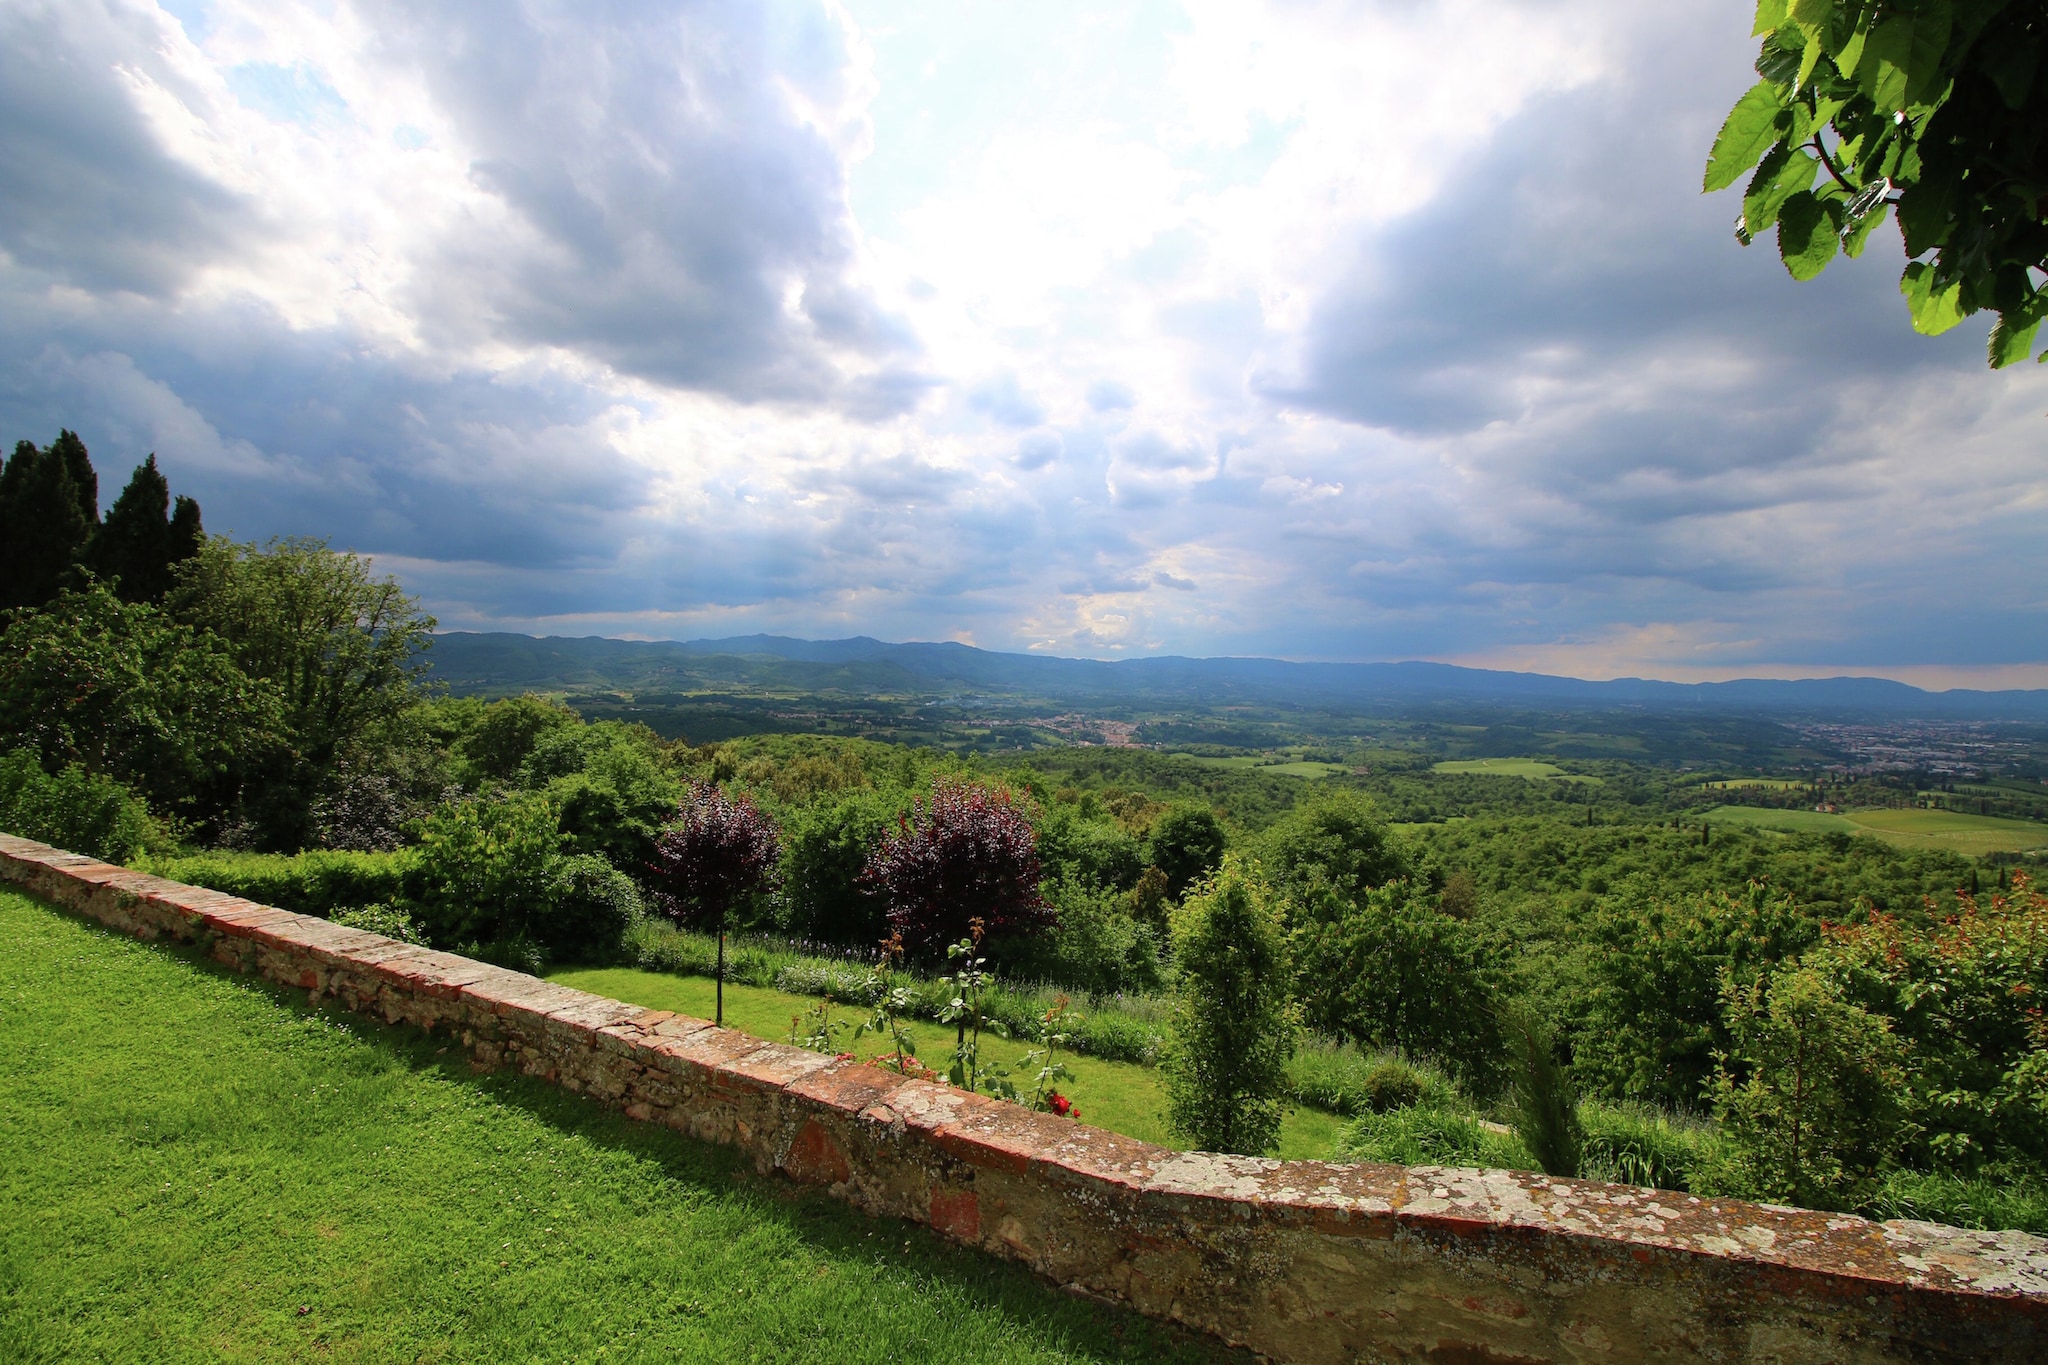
pixel 1300 1260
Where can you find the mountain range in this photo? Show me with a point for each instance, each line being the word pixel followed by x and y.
pixel 497 663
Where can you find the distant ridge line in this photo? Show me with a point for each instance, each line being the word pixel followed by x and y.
pixel 473 659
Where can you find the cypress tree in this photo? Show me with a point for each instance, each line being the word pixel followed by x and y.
pixel 47 516
pixel 140 539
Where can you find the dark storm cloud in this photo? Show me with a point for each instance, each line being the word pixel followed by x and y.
pixel 675 211
pixel 88 195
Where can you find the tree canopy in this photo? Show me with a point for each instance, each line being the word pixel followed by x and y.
pixel 1933 109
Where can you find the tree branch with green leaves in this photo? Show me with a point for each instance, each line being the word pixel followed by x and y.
pixel 1934 110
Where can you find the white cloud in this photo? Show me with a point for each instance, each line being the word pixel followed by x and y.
pixel 1369 329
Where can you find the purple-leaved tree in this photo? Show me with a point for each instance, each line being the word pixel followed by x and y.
pixel 967 852
pixel 716 852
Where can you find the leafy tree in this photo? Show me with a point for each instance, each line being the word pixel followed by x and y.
pixel 1391 970
pixel 966 852
pixel 1653 1022
pixel 1187 845
pixel 1232 1030
pixel 825 849
pixel 499 742
pixel 340 647
pixel 142 538
pixel 1937 109
pixel 718 851
pixel 121 689
pixel 49 508
pixel 1807 1089
pixel 1336 840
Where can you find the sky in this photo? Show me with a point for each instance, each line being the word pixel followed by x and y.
pixel 1389 329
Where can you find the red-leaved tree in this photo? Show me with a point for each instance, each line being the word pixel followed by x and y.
pixel 966 852
pixel 716 852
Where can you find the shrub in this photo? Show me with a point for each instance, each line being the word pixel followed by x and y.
pixel 594 905
pixel 1431 1136
pixel 483 878
pixel 322 883
pixel 846 981
pixel 75 810
pixel 382 919
pixel 968 852
pixel 1808 1092
pixel 1093 945
pixel 1232 1029
pixel 1339 1079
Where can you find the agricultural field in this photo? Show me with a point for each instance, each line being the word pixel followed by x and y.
pixel 1953 831
pixel 198 1168
pixel 1532 768
pixel 1123 1097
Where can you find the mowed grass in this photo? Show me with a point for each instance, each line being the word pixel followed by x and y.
pixel 197 1168
pixel 1973 835
pixel 1512 767
pixel 1123 1097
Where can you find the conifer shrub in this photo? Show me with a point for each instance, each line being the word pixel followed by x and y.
pixel 1233 1028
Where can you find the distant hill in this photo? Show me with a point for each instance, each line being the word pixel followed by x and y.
pixel 498 663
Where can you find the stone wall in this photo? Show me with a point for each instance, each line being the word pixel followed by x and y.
pixel 1301 1260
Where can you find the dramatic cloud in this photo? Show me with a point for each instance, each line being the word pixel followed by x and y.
pixel 1388 328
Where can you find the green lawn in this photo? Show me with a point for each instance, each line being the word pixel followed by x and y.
pixel 1512 767
pixel 196 1167
pixel 1121 1096
pixel 1973 835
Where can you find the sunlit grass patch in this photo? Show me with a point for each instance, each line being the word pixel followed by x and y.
pixel 195 1167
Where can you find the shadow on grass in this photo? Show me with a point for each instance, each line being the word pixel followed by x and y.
pixel 992 1287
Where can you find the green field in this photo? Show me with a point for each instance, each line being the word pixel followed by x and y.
pixel 1121 1096
pixel 1974 835
pixel 1776 784
pixel 1511 767
pixel 1248 762
pixel 198 1168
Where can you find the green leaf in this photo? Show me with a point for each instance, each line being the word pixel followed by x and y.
pixel 1934 310
pixel 1811 13
pixel 1811 59
pixel 1783 174
pixel 1752 126
pixel 1770 16
pixel 2013 339
pixel 1860 228
pixel 1807 239
pixel 1901 58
